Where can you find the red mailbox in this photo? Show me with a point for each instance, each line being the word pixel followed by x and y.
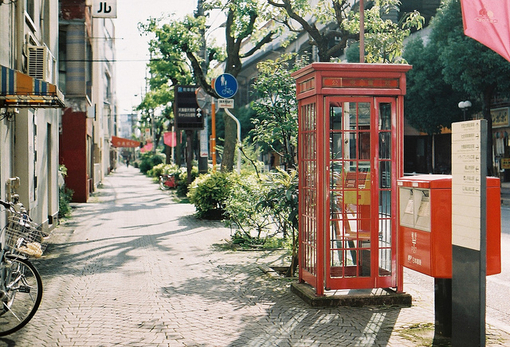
pixel 425 224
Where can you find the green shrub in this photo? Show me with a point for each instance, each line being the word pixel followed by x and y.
pixel 209 193
pixel 182 182
pixel 65 194
pixel 164 169
pixel 157 170
pixel 244 213
pixel 281 199
pixel 150 159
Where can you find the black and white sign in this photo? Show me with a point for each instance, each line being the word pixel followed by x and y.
pixel 104 9
pixel 188 115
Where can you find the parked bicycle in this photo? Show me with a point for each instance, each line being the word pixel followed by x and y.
pixel 167 181
pixel 21 285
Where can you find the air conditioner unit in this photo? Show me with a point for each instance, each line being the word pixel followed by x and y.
pixel 41 63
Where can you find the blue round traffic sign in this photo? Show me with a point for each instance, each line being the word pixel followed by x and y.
pixel 225 85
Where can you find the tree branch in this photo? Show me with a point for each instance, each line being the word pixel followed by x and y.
pixel 268 38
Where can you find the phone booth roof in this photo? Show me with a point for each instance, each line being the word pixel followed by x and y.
pixel 351 79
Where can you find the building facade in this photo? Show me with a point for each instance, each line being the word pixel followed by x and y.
pixel 57 102
pixel 87 77
pixel 30 107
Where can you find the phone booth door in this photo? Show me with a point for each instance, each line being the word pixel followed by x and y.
pixel 361 242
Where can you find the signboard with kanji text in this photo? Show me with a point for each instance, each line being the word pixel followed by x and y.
pixel 188 115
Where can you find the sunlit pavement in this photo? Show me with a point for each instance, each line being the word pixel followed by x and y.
pixel 134 268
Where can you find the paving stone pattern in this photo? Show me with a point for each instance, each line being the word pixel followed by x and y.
pixel 133 268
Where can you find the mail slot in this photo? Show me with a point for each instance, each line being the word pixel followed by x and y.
pixel 425 224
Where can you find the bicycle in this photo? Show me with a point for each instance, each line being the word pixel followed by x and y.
pixel 167 182
pixel 21 285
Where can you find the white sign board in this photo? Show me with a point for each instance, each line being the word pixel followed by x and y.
pixel 467 155
pixel 204 142
pixel 226 103
pixel 104 9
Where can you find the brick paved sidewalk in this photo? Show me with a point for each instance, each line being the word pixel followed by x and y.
pixel 133 268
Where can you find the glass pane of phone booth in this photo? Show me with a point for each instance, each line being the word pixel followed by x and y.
pixel 360 223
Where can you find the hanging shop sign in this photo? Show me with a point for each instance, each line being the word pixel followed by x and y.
pixel 121 142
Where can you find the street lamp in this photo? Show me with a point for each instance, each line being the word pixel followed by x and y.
pixel 464 105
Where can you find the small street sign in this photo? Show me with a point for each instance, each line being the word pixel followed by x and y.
pixel 225 85
pixel 226 103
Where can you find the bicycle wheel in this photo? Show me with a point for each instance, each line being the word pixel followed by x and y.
pixel 21 295
pixel 161 183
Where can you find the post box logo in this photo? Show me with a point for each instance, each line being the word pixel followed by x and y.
pixel 414 239
pixel 414 249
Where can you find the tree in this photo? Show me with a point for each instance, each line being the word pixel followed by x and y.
pixel 337 23
pixel 244 20
pixel 167 69
pixel 384 38
pixel 275 126
pixel 467 65
pixel 430 102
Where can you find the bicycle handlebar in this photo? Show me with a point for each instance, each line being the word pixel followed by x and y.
pixel 5 204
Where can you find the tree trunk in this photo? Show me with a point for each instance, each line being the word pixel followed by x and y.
pixel 189 154
pixel 227 161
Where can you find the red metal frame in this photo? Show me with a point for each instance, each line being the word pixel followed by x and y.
pixel 321 226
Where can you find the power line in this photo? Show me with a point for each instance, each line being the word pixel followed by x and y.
pixel 107 61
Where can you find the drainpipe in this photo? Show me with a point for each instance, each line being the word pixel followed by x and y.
pixel 19 35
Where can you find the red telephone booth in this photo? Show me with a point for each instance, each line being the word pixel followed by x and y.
pixel 350 156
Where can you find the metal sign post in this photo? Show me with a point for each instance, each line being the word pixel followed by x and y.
pixel 226 87
pixel 204 101
pixel 469 170
pixel 188 116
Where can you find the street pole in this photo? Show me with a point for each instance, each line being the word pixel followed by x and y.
pixel 202 161
pixel 361 31
pixel 189 154
pixel 213 134
pixel 153 126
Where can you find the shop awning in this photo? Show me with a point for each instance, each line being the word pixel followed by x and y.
pixel 121 142
pixel 20 90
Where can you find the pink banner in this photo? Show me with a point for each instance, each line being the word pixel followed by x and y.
pixel 487 21
pixel 170 139
pixel 147 147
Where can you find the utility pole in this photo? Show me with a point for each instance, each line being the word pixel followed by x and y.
pixel 361 31
pixel 202 161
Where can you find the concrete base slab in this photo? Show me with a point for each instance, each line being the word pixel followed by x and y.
pixel 351 297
